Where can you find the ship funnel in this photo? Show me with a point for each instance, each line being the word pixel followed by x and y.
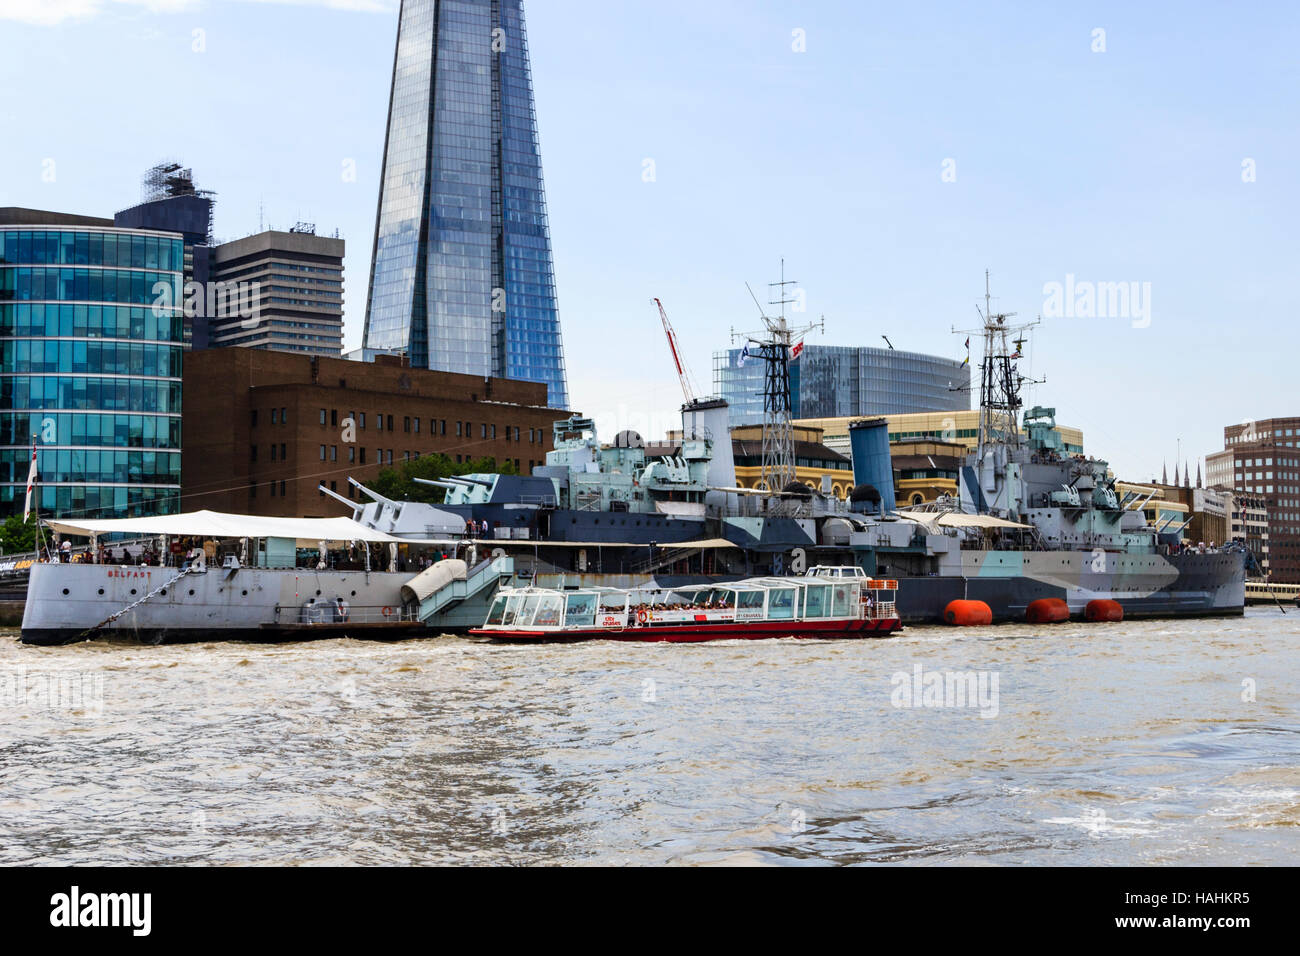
pixel 707 418
pixel 872 465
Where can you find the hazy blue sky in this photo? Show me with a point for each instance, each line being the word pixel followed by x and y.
pixel 1122 165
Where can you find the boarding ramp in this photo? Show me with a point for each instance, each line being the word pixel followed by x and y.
pixel 452 596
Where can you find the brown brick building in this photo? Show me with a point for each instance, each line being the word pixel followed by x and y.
pixel 261 429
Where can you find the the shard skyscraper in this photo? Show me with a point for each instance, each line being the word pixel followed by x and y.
pixel 461 277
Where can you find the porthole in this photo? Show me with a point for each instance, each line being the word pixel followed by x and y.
pixel 191 592
pixel 245 593
pixel 354 593
pixel 101 590
pixel 317 592
pixel 162 593
pixel 65 591
pixel 133 590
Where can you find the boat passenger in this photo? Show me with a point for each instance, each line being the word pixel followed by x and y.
pixel 340 611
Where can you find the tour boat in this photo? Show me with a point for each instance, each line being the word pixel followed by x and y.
pixel 826 602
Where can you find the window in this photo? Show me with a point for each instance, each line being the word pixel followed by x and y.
pixel 363 456
pixel 322 452
pixel 334 418
pixel 322 416
pixel 417 424
pixel 444 426
pixel 282 488
pixel 494 431
pixel 284 455
pixel 457 431
pixel 483 432
pixel 406 423
pixel 361 420
pixel 379 423
pixel 352 454
pixel 334 452
pixel 390 423
pixel 252 418
pixel 273 451
pixel 273 413
pixel 284 415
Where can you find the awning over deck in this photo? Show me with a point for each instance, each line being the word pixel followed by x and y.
pixel 215 524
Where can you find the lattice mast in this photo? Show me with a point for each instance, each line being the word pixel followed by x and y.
pixel 773 346
pixel 1000 378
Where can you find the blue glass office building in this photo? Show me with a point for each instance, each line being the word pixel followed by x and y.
pixel 461 274
pixel 829 381
pixel 91 367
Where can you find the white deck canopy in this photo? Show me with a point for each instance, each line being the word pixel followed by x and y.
pixel 957 519
pixel 215 524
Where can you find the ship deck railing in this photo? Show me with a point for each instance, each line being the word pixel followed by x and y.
pixel 325 615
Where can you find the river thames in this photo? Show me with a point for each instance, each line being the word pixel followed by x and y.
pixel 1154 742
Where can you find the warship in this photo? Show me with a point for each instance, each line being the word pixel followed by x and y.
pixel 1029 522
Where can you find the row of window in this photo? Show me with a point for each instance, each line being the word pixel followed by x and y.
pixel 80 320
pixel 93 501
pixel 82 466
pixel 90 356
pixel 410 424
pixel 71 248
pixel 115 430
pixel 68 393
pixel 89 285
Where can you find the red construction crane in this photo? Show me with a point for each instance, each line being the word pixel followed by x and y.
pixel 683 371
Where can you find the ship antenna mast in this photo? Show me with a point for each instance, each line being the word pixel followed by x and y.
pixel 1000 378
pixel 773 345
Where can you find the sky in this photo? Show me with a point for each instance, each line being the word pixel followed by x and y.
pixel 889 153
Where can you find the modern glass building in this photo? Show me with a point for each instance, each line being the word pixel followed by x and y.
pixel 90 366
pixel 829 381
pixel 461 274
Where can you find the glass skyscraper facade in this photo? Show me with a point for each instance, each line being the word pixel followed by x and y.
pixel 461 274
pixel 829 381
pixel 90 368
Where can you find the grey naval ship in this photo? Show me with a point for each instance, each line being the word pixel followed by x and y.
pixel 1030 521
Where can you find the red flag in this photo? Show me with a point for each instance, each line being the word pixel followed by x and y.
pixel 796 351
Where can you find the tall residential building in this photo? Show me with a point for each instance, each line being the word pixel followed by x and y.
pixel 90 365
pixel 289 296
pixel 1262 459
pixel 461 277
pixel 829 381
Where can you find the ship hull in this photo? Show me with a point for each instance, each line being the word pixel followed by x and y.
pixel 67 603
pixel 1145 585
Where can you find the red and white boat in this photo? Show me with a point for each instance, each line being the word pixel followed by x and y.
pixel 835 602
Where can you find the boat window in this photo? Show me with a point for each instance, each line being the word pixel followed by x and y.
pixel 721 597
pixel 512 609
pixel 840 601
pixel 615 602
pixel 548 611
pixel 580 610
pixel 749 600
pixel 780 604
pixel 526 611
pixel 815 601
pixel 497 611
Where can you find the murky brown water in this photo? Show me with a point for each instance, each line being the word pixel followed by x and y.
pixel 1111 744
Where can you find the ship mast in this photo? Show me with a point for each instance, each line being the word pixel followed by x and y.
pixel 772 345
pixel 1000 378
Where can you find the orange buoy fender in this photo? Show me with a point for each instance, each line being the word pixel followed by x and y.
pixel 1047 611
pixel 967 613
pixel 1103 609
